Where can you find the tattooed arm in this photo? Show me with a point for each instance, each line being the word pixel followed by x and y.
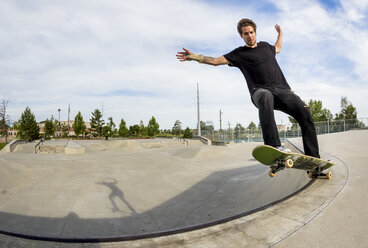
pixel 187 55
pixel 215 61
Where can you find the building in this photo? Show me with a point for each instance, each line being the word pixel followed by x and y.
pixel 63 129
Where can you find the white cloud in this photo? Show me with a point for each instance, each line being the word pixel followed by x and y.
pixel 324 52
pixel 354 10
pixel 79 52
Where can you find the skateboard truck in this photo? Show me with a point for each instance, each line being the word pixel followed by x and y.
pixel 280 165
pixel 317 173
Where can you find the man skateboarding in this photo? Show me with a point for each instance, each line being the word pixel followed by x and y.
pixel 267 85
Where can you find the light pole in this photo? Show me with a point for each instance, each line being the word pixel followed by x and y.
pixel 198 116
pixel 59 122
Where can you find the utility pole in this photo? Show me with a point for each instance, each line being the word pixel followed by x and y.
pixel 68 120
pixel 58 131
pixel 221 119
pixel 198 115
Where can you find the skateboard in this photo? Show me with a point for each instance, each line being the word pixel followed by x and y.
pixel 278 160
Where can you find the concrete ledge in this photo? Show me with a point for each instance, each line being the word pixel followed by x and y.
pixel 204 140
pixel 218 143
pixel 12 145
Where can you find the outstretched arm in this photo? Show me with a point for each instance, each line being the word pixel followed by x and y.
pixel 187 55
pixel 278 43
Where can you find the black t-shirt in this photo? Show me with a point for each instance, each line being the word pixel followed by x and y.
pixel 259 66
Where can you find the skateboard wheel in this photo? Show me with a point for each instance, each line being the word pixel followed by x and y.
pixel 289 163
pixel 271 174
pixel 329 175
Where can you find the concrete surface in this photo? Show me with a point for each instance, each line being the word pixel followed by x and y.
pixel 330 213
pixel 135 188
pixel 343 221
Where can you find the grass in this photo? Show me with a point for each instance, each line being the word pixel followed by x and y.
pixel 2 145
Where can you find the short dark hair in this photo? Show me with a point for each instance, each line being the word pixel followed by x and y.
pixel 246 22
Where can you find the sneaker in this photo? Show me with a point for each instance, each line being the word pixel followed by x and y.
pixel 283 149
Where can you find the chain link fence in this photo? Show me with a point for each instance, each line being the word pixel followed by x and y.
pixel 285 131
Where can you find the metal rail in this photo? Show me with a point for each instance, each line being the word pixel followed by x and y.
pixel 38 146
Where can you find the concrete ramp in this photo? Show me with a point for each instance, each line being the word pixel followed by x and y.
pixel 82 146
pixel 154 188
pixel 74 148
pixel 25 148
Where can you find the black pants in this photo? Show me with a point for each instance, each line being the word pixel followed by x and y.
pixel 286 101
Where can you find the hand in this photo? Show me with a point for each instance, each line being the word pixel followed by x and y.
pixel 278 43
pixel 182 55
pixel 278 28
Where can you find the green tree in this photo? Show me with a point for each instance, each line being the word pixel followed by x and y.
pixel 57 126
pixel 238 130
pixel 16 125
pixel 134 130
pixel 4 118
pixel 347 110
pixel 176 128
pixel 106 131
pixel 202 124
pixel 79 126
pixel 49 128
pixel 110 129
pixel 123 130
pixel 113 127
pixel 28 127
pixel 97 123
pixel 187 134
pixel 143 131
pixel 64 130
pixel 239 127
pixel 153 127
pixel 318 112
pixel 252 126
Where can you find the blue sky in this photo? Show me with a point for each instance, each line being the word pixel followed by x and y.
pixel 121 55
pixel 330 4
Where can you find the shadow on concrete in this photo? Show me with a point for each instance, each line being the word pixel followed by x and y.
pixel 116 193
pixel 222 196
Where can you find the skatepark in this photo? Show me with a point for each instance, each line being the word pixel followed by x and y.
pixel 165 193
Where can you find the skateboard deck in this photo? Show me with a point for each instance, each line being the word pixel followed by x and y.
pixel 278 160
